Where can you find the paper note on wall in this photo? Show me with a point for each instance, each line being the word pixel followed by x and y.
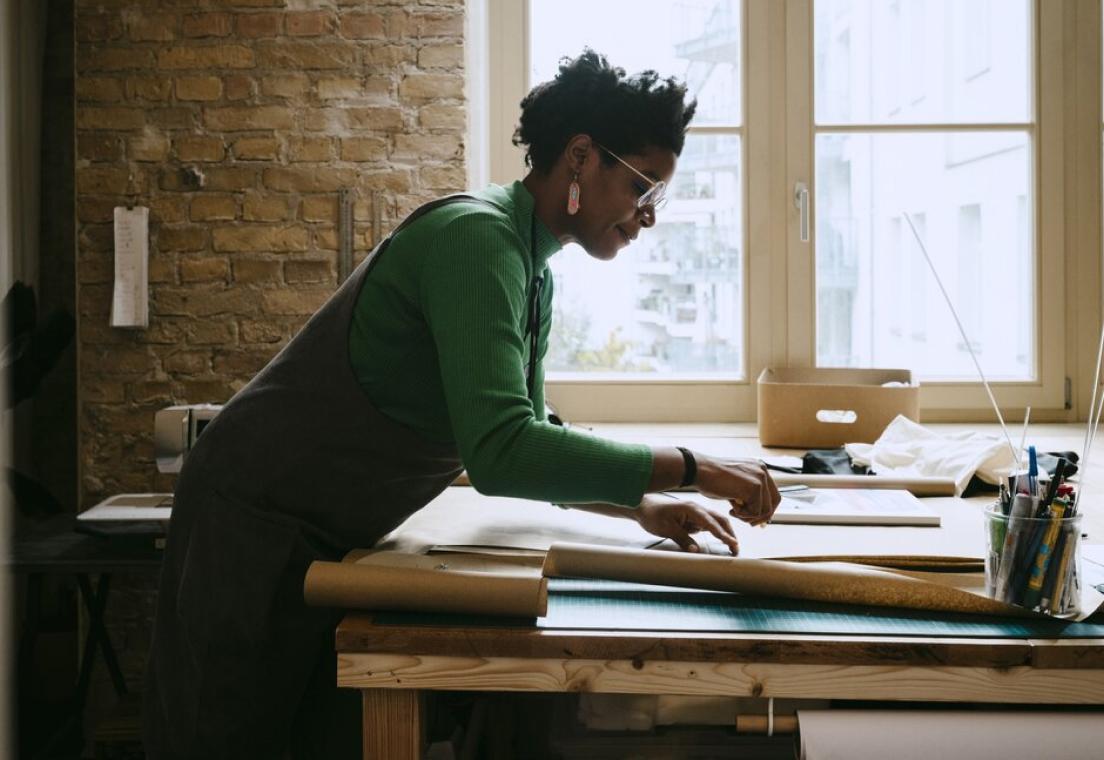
pixel 130 302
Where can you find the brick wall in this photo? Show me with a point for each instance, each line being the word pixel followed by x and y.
pixel 237 122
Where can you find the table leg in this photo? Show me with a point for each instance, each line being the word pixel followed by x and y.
pixel 393 724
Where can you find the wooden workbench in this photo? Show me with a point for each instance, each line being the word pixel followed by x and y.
pixel 395 664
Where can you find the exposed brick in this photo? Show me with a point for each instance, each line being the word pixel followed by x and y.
pixel 442 117
pixel 344 87
pixel 441 57
pixel 206 57
pixel 187 362
pixel 359 26
pixel 376 119
pixel 252 271
pixel 182 239
pixel 168 209
pixel 201 301
pixel 159 27
pixel 260 331
pixel 427 146
pixel 310 149
pixel 98 27
pixel 150 392
pixel 99 89
pixel 292 302
pixel 285 85
pixel 149 88
pixel 96 238
pixel 204 269
pixel 149 147
pixel 98 147
pixel 312 180
pixel 94 180
pixel 259 25
pixel 307 55
pixel 241 361
pixel 209 207
pixel 171 118
pixel 259 238
pixel 309 270
pixel 325 238
pixel 259 117
pixel 309 23
pixel 231 178
pixel 261 208
pixel 363 149
pixel 198 88
pixel 198 148
pixel 208 24
pixel 211 332
pixel 114 59
pixel 396 181
pixel 256 148
pixel 91 210
pixel 237 87
pixel 443 177
pixel 319 208
pixel 438 24
pixel 430 86
pixel 389 56
pixel 110 117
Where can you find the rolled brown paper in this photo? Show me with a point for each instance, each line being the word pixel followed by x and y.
pixel 834 582
pixel 414 589
pixel 759 724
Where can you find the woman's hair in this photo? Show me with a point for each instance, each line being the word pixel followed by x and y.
pixel 588 96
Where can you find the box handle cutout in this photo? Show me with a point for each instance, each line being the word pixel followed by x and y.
pixel 837 416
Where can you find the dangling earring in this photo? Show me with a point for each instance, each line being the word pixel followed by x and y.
pixel 573 196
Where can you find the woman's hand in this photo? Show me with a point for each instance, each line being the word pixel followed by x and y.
pixel 745 484
pixel 678 520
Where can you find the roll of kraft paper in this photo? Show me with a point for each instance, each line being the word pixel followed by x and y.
pixel 947 735
pixel 834 582
pixel 418 583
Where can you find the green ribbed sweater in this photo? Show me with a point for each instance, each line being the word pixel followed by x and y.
pixel 438 344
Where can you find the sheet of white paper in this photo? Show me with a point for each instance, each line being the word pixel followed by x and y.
pixel 853 507
pixel 130 302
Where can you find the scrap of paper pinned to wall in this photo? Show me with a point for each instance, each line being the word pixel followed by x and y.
pixel 463 584
pixel 835 582
pixel 130 301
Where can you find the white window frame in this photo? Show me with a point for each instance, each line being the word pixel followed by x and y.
pixel 779 273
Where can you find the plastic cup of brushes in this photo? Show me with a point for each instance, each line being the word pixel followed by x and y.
pixel 1033 556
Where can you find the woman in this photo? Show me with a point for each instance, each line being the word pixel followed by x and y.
pixel 425 361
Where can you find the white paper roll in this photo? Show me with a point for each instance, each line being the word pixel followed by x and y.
pixel 948 735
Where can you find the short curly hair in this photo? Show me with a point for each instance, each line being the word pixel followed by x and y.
pixel 588 96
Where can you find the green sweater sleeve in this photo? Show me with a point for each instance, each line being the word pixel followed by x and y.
pixel 474 289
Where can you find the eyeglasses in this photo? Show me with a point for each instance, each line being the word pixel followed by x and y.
pixel 654 195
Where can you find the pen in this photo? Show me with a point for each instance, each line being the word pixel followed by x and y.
pixel 1021 508
pixel 1034 591
pixel 1032 471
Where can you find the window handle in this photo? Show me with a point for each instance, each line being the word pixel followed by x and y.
pixel 801 203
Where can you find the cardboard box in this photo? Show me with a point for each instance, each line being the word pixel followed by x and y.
pixel 812 408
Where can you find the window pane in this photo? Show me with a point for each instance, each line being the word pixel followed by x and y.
pixel 922 61
pixel 697 41
pixel 969 195
pixel 673 301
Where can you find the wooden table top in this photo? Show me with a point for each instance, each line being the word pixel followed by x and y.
pixel 357 633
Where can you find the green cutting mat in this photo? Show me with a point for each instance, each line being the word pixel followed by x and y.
pixel 607 604
pixel 603 605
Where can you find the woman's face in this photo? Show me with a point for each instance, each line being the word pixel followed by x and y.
pixel 608 218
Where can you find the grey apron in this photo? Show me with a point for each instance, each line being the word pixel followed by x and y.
pixel 298 466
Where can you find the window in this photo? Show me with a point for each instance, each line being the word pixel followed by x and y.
pixel 945 110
